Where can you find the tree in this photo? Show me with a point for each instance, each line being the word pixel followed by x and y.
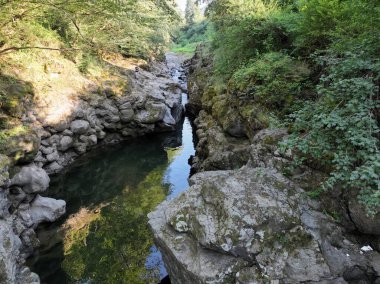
pixel 98 25
pixel 192 12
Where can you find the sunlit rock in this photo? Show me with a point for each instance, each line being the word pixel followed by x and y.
pixel 45 209
pixel 252 225
pixel 32 179
pixel 153 112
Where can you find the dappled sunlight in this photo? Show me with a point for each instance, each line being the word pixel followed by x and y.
pixel 76 227
pixel 58 86
pixel 122 62
pixel 56 82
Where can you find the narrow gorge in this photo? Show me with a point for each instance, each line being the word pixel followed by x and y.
pixel 244 219
pixel 190 142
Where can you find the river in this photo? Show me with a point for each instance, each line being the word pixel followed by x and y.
pixel 104 236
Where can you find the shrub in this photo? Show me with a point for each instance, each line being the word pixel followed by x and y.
pixel 274 80
pixel 340 129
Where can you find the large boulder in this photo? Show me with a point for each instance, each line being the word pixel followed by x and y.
pixel 65 143
pixel 363 222
pixel 152 113
pixel 79 126
pixel 253 226
pixel 32 179
pixel 45 209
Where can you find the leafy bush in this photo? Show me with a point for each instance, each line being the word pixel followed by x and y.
pixel 319 61
pixel 340 128
pixel 244 30
pixel 274 80
pixel 191 36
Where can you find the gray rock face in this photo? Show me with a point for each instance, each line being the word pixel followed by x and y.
pixel 364 223
pixel 249 226
pixel 32 179
pixel 9 253
pixel 80 148
pixel 53 167
pixel 79 126
pixel 11 258
pixel 199 73
pixel 126 115
pixel 44 209
pixel 152 104
pixel 52 157
pixel 65 143
pixel 154 112
pixel 216 150
pixel 168 118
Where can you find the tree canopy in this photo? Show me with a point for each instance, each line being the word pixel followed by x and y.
pixel 134 27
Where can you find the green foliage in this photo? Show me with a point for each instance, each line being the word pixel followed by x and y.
pixel 319 61
pixel 192 12
pixel 12 93
pixel 118 242
pixel 245 29
pixel 86 61
pixel 7 134
pixel 136 27
pixel 340 128
pixel 275 80
pixel 315 194
pixel 334 23
pixel 333 214
pixel 189 37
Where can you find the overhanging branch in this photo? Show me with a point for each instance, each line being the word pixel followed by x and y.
pixel 15 48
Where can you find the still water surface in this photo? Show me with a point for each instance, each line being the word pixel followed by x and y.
pixel 104 237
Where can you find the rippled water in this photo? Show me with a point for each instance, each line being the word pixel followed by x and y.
pixel 104 237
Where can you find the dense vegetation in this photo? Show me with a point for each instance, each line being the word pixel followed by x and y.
pixel 195 30
pixel 315 64
pixel 133 27
pixel 50 48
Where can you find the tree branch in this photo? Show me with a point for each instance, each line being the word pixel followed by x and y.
pixel 15 48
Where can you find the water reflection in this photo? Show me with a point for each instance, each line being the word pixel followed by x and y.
pixel 104 237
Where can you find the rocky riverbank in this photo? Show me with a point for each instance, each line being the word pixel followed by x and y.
pixel 248 218
pixel 61 130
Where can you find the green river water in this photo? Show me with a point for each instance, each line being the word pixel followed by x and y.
pixel 104 236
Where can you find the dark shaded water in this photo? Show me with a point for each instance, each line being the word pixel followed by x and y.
pixel 104 237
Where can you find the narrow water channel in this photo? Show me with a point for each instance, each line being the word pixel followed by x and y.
pixel 104 236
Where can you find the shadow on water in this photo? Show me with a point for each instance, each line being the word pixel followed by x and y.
pixel 104 237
